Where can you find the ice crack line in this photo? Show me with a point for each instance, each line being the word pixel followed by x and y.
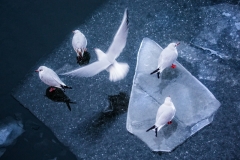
pixel 147 93
pixel 212 52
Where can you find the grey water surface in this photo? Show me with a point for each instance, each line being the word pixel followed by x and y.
pixel 209 29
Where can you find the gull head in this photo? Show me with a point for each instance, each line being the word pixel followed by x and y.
pixel 168 100
pixel 173 45
pixel 40 69
pixel 76 31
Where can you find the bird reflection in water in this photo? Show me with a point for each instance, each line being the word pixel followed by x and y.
pixel 85 59
pixel 57 95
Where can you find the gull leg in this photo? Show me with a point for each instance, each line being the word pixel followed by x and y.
pixel 52 89
pixel 174 66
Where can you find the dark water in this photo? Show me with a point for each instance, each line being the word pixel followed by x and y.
pixel 29 31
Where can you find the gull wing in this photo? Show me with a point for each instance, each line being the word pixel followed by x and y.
pixel 57 79
pixel 89 70
pixel 79 41
pixel 120 38
pixel 160 111
pixel 51 78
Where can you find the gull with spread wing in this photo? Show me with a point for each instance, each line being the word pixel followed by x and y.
pixel 107 61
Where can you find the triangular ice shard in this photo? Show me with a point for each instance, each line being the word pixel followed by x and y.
pixel 195 104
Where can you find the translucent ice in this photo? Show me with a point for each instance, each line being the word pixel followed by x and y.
pixel 10 129
pixel 221 32
pixel 195 104
pixel 237 25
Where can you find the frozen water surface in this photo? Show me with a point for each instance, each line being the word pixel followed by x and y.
pixel 195 104
pixel 10 129
pixel 220 31
pixel 92 134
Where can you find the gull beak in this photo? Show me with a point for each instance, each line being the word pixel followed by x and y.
pixel 36 71
pixel 73 31
pixel 177 44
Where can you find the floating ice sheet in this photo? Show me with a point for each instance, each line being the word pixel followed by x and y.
pixel 195 104
pixel 91 134
pixel 221 33
pixel 10 129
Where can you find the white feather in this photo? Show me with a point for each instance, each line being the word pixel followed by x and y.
pixel 165 113
pixel 117 71
pixel 79 42
pixel 49 77
pixel 167 57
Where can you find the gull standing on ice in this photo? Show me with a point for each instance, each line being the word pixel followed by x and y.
pixel 167 57
pixel 117 71
pixel 79 43
pixel 165 114
pixel 49 77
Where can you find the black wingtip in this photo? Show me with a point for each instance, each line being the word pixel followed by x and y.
pixel 150 128
pixel 127 16
pixel 63 87
pixel 155 71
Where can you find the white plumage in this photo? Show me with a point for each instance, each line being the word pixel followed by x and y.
pixel 79 43
pixel 117 71
pixel 167 57
pixel 165 114
pixel 49 77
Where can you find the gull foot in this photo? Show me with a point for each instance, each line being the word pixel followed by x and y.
pixel 170 122
pixel 52 89
pixel 79 59
pixel 174 66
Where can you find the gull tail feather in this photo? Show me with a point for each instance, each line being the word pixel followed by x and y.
pixel 153 127
pixel 155 71
pixel 68 87
pixel 118 71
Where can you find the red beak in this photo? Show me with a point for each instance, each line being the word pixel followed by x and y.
pixel 177 43
pixel 36 71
